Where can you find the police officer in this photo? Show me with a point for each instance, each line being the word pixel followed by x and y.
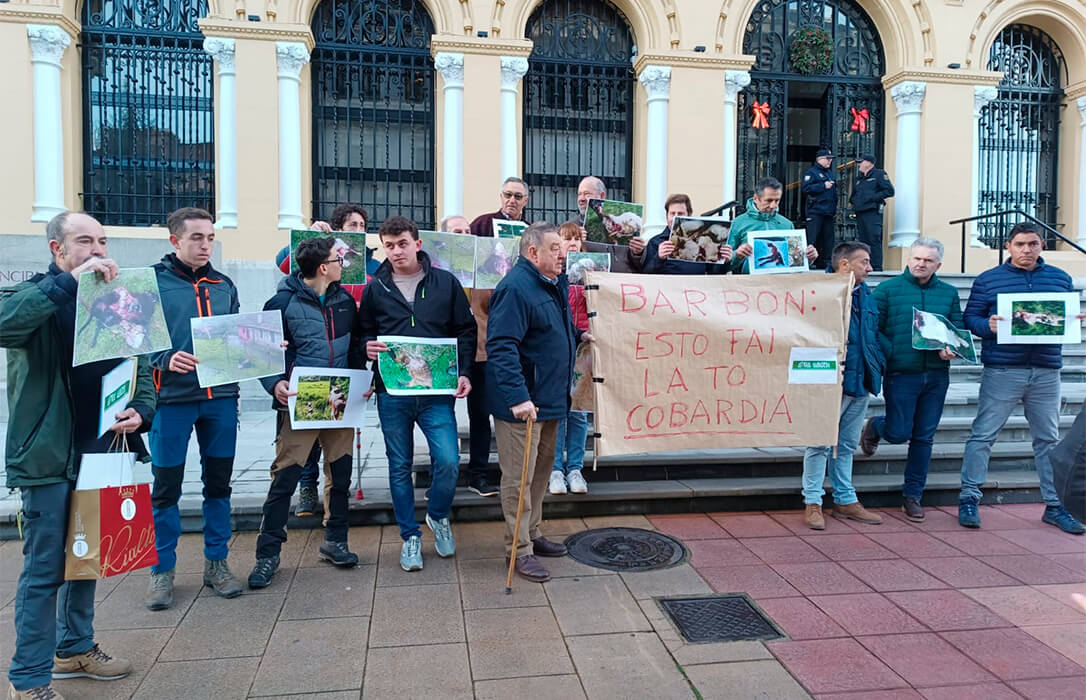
pixel 869 192
pixel 820 187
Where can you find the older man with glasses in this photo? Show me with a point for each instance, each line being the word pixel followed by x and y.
pixel 514 198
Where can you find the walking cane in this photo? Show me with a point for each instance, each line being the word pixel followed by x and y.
pixel 520 507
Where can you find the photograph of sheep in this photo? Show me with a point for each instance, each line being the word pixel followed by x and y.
pixel 413 366
pixel 1038 318
pixel 579 263
pixel 610 221
pixel 121 318
pixel 508 229
pixel 935 332
pixel 698 239
pixel 778 251
pixel 452 252
pixel 237 347
pixel 349 246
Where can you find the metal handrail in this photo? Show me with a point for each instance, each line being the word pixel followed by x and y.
pixel 722 207
pixel 1046 227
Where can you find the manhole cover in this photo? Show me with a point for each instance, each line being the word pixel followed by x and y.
pixel 625 549
pixel 721 618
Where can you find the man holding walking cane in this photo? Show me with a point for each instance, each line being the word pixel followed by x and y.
pixel 531 343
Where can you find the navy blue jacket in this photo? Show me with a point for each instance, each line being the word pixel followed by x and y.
pixel 530 344
pixel 821 200
pixel 869 192
pixel 655 266
pixel 864 361
pixel 1008 279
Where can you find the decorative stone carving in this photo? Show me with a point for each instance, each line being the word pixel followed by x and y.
pixel 656 81
pixel 982 95
pixel 513 69
pixel 908 96
pixel 290 57
pixel 734 83
pixel 222 50
pixel 47 42
pixel 451 67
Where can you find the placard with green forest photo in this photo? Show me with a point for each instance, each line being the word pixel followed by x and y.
pixel 413 366
pixel 121 318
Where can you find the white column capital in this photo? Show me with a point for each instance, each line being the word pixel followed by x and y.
pixel 657 82
pixel 982 95
pixel 735 81
pixel 909 96
pixel 222 50
pixel 290 56
pixel 48 42
pixel 451 67
pixel 1081 104
pixel 513 69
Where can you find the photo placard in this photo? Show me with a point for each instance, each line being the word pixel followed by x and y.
pixel 328 397
pixel 237 347
pixel 121 318
pixel 611 221
pixel 778 251
pixel 935 332
pixel 418 366
pixel 1040 318
pixel 698 239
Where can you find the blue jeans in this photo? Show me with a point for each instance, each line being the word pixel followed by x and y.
pixel 51 615
pixel 817 461
pixel 569 445
pixel 914 405
pixel 1001 388
pixel 435 416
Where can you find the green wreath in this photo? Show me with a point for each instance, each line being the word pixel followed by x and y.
pixel 811 50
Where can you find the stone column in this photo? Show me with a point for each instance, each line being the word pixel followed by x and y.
pixel 47 44
pixel 290 57
pixel 909 98
pixel 1081 104
pixel 982 95
pixel 657 83
pixel 226 166
pixel 734 82
pixel 513 69
pixel 451 68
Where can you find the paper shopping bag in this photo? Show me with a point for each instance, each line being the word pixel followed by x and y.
pixel 110 532
pixel 104 469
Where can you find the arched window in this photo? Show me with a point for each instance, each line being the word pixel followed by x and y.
pixel 148 115
pixel 373 109
pixel 578 104
pixel 1019 130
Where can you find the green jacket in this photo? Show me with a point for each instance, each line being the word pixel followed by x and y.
pixel 40 445
pixel 753 220
pixel 896 298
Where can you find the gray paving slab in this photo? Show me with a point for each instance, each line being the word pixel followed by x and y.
pixel 309 656
pixel 515 642
pixel 215 628
pixel 595 605
pixel 411 615
pixel 140 647
pixel 124 608
pixel 538 688
pixel 611 665
pixel 213 678
pixel 756 680
pixel 435 569
pixel 422 672
pixel 322 592
pixel 482 586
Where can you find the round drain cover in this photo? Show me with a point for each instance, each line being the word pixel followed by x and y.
pixel 625 549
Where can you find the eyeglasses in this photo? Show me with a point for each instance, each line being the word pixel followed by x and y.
pixel 337 259
pixel 513 195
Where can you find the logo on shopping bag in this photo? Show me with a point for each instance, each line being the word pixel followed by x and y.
pixel 80 547
pixel 128 509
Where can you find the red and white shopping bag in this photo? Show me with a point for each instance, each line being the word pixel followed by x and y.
pixel 110 531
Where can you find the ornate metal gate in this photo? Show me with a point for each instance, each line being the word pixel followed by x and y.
pixel 840 106
pixel 148 115
pixel 1020 129
pixel 578 104
pixel 373 108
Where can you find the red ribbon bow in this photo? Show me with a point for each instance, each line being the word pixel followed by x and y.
pixel 760 111
pixel 859 120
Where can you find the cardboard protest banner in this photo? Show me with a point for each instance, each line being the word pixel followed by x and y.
pixel 693 362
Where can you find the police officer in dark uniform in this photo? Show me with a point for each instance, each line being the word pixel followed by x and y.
pixel 869 192
pixel 820 187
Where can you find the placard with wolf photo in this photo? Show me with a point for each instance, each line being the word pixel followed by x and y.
pixel 778 251
pixel 418 366
pixel 1038 318
pixel 494 257
pixel 452 252
pixel 504 228
pixel 579 263
pixel 121 318
pixel 326 397
pixel 698 238
pixel 611 221
pixel 237 347
pixel 935 332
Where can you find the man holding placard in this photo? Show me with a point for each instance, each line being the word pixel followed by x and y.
pixel 514 198
pixel 1015 373
pixel 54 420
pixel 762 215
pixel 624 258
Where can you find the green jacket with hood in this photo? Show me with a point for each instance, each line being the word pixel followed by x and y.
pixel 743 224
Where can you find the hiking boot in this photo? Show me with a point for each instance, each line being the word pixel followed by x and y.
pixel 94 664
pixel 160 590
pixel 217 575
pixel 912 510
pixel 264 571
pixel 411 554
pixel 307 502
pixel 869 438
pixel 42 692
pixel 542 547
pixel 855 511
pixel 528 567
pixel 338 554
pixel 577 484
pixel 557 483
pixel 967 513
pixel 443 536
pixel 812 517
pixel 482 487
pixel 1058 516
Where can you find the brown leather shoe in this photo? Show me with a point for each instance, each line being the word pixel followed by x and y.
pixel 869 438
pixel 528 567
pixel 545 548
pixel 856 511
pixel 913 510
pixel 813 519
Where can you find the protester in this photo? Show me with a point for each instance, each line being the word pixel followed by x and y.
pixel 624 258
pixel 410 297
pixel 1015 373
pixel 318 318
pixel 191 287
pixel 870 189
pixel 455 224
pixel 761 215
pixel 862 378
pixel 820 188
pixel 1069 467
pixel 54 618
pixel 531 343
pixel 916 381
pixel 658 260
pixel 514 197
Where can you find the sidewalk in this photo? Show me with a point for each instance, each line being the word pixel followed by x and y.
pixel 890 611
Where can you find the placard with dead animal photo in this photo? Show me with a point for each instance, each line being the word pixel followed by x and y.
pixel 413 366
pixel 348 245
pixel 935 332
pixel 504 228
pixel 698 239
pixel 494 257
pixel 237 347
pixel 452 252
pixel 121 318
pixel 326 397
pixel 778 251
pixel 610 221
pixel 579 263
pixel 1038 318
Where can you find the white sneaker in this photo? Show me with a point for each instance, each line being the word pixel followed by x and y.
pixel 557 484
pixel 577 484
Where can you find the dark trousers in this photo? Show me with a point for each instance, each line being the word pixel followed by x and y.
pixel 914 405
pixel 273 527
pixel 479 420
pixel 869 231
pixel 820 235
pixel 311 470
